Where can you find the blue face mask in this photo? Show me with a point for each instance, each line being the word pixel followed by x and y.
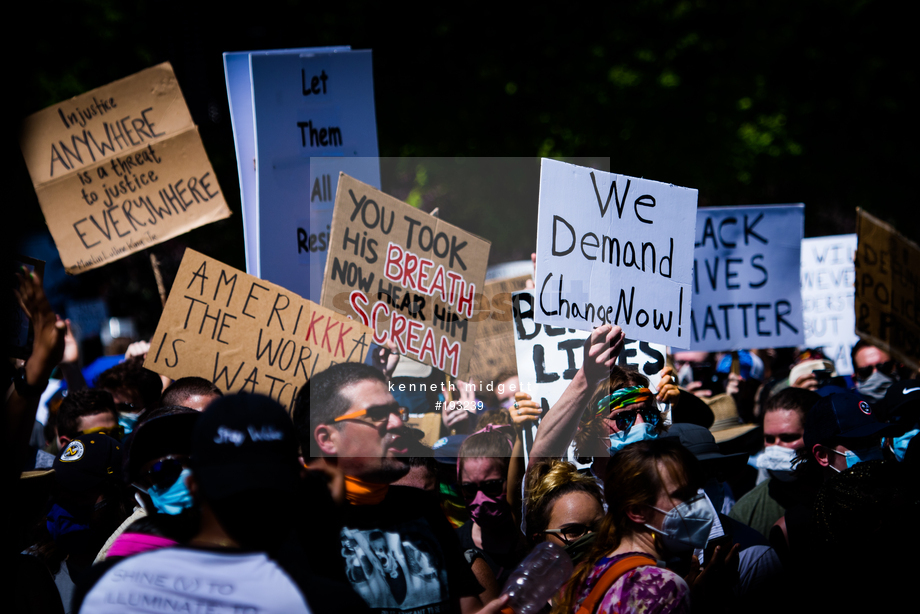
pixel 859 456
pixel 127 421
pixel 637 432
pixel 899 444
pixel 686 526
pixel 175 499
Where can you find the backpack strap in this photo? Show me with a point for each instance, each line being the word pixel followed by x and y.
pixel 589 605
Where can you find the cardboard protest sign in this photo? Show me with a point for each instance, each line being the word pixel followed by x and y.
pixel 411 277
pixel 828 297
pixel 306 105
pixel 887 289
pixel 493 352
pixel 246 334
pixel 746 264
pixel 614 249
pixel 120 168
pixel 548 357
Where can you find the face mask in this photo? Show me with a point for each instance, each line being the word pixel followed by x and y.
pixel 580 547
pixel 637 432
pixel 875 387
pixel 777 460
pixel 127 421
pixel 175 499
pixel 859 456
pixel 489 512
pixel 687 526
pixel 899 445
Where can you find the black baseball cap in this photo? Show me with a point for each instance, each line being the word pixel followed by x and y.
pixel 88 462
pixel 901 402
pixel 841 416
pixel 161 436
pixel 244 442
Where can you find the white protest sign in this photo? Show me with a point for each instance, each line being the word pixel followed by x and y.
pixel 239 95
pixel 746 292
pixel 614 249
pixel 304 105
pixel 828 297
pixel 548 357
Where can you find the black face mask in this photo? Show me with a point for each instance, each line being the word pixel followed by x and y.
pixel 257 520
pixel 580 547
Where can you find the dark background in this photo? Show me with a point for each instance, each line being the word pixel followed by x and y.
pixel 749 102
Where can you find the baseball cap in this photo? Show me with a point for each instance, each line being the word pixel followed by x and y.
pixel 901 402
pixel 88 462
pixel 244 442
pixel 841 416
pixel 161 436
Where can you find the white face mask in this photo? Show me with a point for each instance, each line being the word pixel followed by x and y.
pixel 774 459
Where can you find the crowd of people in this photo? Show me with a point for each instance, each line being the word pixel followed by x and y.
pixel 755 481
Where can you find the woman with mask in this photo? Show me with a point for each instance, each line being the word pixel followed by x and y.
pixel 623 410
pixel 655 512
pixel 563 506
pixel 482 471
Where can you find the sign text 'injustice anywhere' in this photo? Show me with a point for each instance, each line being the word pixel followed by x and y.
pixel 120 168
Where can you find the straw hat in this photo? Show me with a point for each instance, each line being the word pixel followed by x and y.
pixel 727 424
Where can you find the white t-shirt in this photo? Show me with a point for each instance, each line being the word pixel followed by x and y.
pixel 189 581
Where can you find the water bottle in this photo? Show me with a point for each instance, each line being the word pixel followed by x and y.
pixel 537 578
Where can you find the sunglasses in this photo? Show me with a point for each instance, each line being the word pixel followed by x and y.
pixel 885 368
pixel 785 438
pixel 572 532
pixel 626 418
pixel 376 415
pixel 490 488
pixel 164 472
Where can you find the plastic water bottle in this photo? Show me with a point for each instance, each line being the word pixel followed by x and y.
pixel 537 578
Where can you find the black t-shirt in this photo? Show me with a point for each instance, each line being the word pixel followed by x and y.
pixel 402 556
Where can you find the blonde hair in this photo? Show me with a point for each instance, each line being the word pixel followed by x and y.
pixel 548 480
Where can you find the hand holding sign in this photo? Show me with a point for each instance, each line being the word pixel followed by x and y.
pixel 525 410
pixel 601 351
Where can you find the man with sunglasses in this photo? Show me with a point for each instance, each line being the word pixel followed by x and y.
pixel 347 419
pixel 874 371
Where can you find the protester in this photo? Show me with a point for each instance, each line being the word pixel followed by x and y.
pixel 783 437
pixel 88 505
pixel 563 506
pixel 759 571
pixel 134 388
pixel 874 369
pixel 86 411
pixel 397 549
pixel 654 511
pixel 244 479
pixel 192 392
pixel 482 471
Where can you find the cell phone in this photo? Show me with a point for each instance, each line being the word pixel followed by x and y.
pixel 823 377
pixel 725 541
